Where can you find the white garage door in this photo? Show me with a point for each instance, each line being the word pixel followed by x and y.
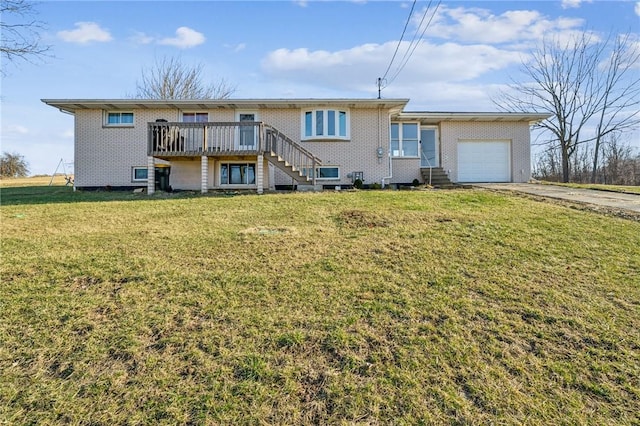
pixel 484 161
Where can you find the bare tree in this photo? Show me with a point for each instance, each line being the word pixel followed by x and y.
pixel 582 83
pixel 619 164
pixel 13 165
pixel 619 98
pixel 170 78
pixel 20 32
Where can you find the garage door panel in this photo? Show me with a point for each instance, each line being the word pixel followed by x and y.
pixel 484 161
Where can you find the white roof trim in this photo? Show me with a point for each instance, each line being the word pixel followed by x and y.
pixel 439 117
pixel 72 105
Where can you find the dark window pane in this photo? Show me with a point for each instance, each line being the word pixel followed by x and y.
pixel 410 148
pixel 308 123
pixel 319 123
pixel 409 131
pixel 224 174
pixel 331 123
pixel 395 134
pixel 328 172
pixel 235 174
pixel 139 174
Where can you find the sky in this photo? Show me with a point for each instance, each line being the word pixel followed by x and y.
pixel 466 54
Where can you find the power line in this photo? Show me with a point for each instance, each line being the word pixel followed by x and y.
pixel 400 41
pixel 415 34
pixel 412 45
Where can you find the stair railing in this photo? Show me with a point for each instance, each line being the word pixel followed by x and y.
pixel 300 159
pixel 428 164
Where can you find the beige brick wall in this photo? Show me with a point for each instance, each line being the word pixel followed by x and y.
pixel 106 155
pixel 368 130
pixel 405 170
pixel 518 133
pixel 185 174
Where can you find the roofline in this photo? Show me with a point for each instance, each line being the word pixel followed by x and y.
pixel 438 117
pixel 72 105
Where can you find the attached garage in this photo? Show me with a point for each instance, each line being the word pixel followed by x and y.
pixel 484 161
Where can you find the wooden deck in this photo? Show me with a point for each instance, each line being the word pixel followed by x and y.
pixel 174 140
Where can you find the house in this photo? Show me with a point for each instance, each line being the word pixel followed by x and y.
pixel 279 143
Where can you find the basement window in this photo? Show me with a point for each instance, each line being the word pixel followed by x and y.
pixel 139 174
pixel 325 173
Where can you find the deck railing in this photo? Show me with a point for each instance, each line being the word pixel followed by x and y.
pixel 176 139
pixel 173 139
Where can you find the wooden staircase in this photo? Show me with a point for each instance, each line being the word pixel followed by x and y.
pixel 288 156
pixel 439 177
pixel 291 170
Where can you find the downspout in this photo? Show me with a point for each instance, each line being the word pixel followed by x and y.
pixel 380 145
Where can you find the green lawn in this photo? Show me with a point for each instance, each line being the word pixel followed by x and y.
pixel 613 188
pixel 402 307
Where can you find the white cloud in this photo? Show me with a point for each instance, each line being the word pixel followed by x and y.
pixel 301 3
pixel 475 25
pixel 16 129
pixel 85 32
pixel 637 8
pixel 185 38
pixel 141 38
pixel 354 70
pixel 572 4
pixel 236 47
pixel 568 4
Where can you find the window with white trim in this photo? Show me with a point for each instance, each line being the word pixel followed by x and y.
pixel 195 117
pixel 118 119
pixel 325 124
pixel 237 174
pixel 139 174
pixel 404 140
pixel 325 173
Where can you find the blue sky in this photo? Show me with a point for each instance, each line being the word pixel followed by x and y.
pixel 280 49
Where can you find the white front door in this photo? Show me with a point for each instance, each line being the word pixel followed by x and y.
pixel 429 147
pixel 247 135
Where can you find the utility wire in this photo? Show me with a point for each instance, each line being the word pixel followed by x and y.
pixel 413 47
pixel 400 41
pixel 415 34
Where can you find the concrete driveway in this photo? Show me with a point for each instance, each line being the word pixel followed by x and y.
pixel 615 200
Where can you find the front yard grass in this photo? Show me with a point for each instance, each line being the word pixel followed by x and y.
pixel 431 307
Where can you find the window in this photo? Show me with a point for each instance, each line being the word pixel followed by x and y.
pixel 138 174
pixel 119 119
pixel 325 172
pixel 195 117
pixel 404 140
pixel 238 174
pixel 328 173
pixel 325 124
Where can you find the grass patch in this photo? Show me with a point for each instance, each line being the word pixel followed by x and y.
pixel 457 307
pixel 611 188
